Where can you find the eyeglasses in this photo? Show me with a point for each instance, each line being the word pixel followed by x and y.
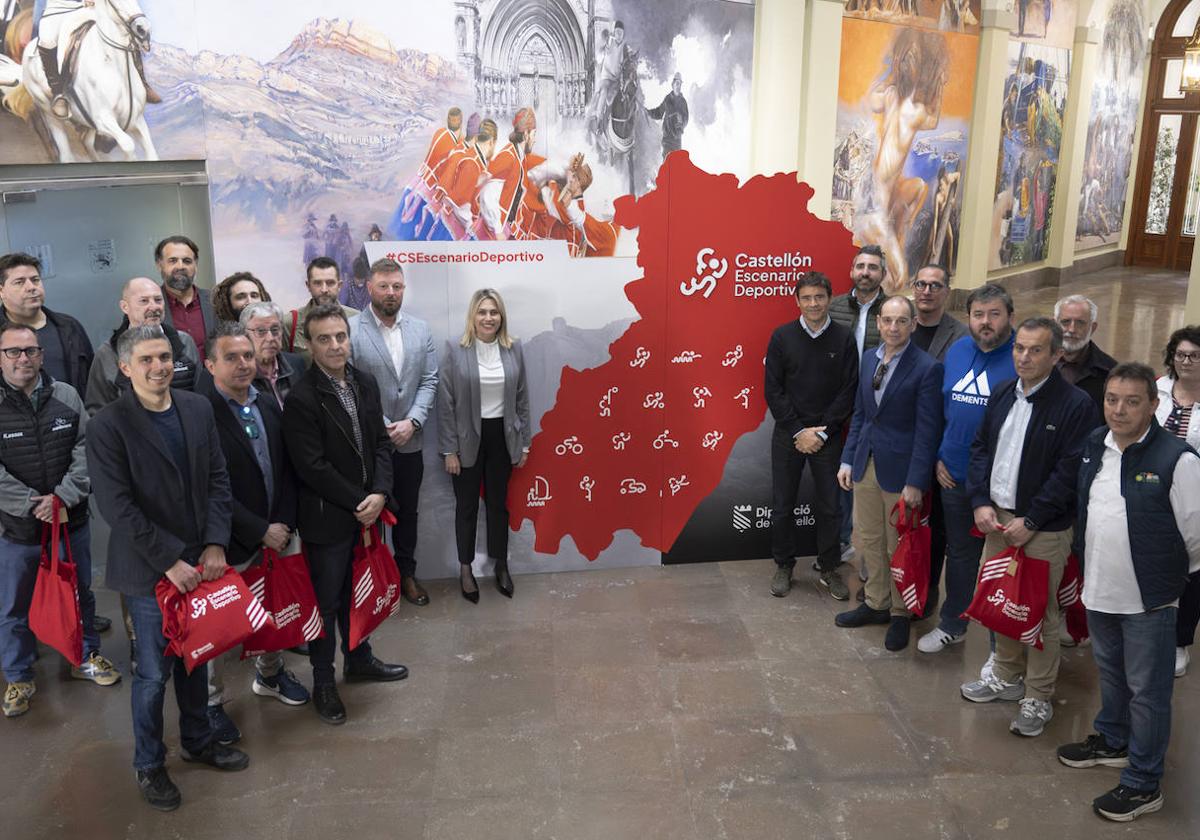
pixel 926 286
pixel 31 352
pixel 250 422
pixel 1180 356
pixel 263 332
pixel 880 373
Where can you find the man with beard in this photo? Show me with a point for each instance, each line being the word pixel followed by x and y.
pixel 188 308
pixel 324 282
pixel 974 366
pixel 1083 364
pixel 143 305
pixel 397 351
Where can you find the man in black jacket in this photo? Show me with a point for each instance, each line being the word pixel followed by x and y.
pixel 156 463
pixel 250 427
pixel 42 461
pixel 333 428
pixel 811 377
pixel 278 370
pixel 1083 364
pixel 1021 481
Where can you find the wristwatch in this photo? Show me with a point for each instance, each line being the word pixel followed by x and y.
pixel 1029 524
pixel 416 423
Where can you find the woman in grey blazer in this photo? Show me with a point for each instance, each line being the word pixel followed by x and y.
pixel 483 431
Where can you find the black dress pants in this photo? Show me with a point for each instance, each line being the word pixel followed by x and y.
pixel 329 566
pixel 492 467
pixel 408 468
pixel 787 466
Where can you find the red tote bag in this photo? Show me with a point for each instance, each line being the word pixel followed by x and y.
pixel 54 612
pixel 1011 596
pixel 216 616
pixel 376 582
pixel 283 586
pixel 910 561
pixel 1070 600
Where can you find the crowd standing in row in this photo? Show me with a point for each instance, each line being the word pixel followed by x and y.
pixel 1010 435
pixel 214 425
pixel 205 442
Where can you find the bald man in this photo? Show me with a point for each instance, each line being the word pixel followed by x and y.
pixel 142 304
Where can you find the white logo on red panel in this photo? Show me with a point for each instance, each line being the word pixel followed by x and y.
pixel 709 269
pixel 620 439
pixel 664 440
pixel 654 400
pixel 586 484
pixel 733 357
pixel 743 396
pixel 569 445
pixel 640 358
pixel 632 487
pixel 539 493
pixel 606 401
pixel 700 392
pixel 712 439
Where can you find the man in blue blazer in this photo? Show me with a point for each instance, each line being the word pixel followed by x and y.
pixel 889 456
pixel 397 350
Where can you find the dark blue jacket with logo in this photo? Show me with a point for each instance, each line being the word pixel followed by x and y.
pixel 1061 419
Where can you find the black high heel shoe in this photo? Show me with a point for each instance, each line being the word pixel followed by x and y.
pixel 504 581
pixel 473 597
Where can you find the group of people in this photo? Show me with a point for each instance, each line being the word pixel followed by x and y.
pixel 472 185
pixel 1010 435
pixel 213 426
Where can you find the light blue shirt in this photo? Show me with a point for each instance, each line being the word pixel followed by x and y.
pixel 815 333
pixel 891 369
pixel 249 417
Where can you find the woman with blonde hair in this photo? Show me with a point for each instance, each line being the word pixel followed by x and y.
pixel 483 431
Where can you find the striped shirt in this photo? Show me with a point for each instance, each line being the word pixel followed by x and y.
pixel 1179 420
pixel 345 394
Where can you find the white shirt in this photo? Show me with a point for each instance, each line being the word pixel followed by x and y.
pixel 491 379
pixel 1006 466
pixel 392 338
pixel 1109 583
pixel 860 329
pixel 818 332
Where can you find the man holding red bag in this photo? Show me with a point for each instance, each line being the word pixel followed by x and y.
pixel 264 500
pixel 1021 481
pixel 889 457
pixel 41 457
pixel 1139 526
pixel 335 434
pixel 160 480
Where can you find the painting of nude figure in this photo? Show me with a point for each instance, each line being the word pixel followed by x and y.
pixel 904 103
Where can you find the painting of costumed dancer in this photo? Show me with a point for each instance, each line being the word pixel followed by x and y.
pixel 905 99
pixel 411 221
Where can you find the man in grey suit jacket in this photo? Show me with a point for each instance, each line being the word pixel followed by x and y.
pixel 398 351
pixel 935 331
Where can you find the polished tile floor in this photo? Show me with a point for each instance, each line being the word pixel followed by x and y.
pixel 670 702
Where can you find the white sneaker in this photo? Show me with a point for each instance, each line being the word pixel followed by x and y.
pixel 1182 658
pixel 988 672
pixel 937 640
pixel 847 552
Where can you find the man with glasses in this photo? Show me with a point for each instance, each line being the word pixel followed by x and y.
pixel 264 502
pixel 936 330
pixel 811 377
pixel 42 459
pixel 277 369
pixel 889 457
pixel 1083 364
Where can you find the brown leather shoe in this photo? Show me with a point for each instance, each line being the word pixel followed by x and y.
pixel 413 592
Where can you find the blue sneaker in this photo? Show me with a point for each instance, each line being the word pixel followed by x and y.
pixel 284 687
pixel 224 730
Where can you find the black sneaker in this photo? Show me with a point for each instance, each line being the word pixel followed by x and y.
pixel 219 756
pixel 158 790
pixel 1095 750
pixel 861 616
pixel 1124 804
pixel 224 730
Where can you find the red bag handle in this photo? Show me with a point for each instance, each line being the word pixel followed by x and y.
pixel 54 530
pixel 386 517
pixel 902 518
pixel 295 323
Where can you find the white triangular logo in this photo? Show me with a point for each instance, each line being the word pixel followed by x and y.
pixel 972 384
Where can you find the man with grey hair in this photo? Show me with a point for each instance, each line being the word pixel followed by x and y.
pixel 1021 479
pixel 143 305
pixel 278 370
pixel 159 476
pixel 1083 364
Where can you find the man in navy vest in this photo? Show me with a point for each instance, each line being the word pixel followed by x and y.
pixel 1138 536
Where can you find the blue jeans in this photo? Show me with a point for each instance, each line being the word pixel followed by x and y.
pixel 963 552
pixel 150 677
pixel 18 573
pixel 1136 658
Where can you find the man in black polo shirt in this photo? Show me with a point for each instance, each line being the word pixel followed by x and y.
pixel 811 377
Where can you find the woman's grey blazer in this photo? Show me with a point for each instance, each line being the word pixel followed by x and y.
pixel 459 408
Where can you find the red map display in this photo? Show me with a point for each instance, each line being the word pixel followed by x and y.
pixel 637 442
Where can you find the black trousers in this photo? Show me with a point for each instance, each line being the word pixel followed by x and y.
pixel 329 566
pixel 787 466
pixel 492 467
pixel 1189 613
pixel 408 468
pixel 937 541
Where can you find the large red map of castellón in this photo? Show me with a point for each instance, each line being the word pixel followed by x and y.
pixel 637 442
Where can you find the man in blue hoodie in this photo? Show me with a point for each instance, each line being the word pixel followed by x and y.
pixel 975 365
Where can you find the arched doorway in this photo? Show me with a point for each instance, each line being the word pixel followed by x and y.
pixel 1166 198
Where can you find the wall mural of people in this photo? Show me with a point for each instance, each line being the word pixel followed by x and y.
pixel 904 102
